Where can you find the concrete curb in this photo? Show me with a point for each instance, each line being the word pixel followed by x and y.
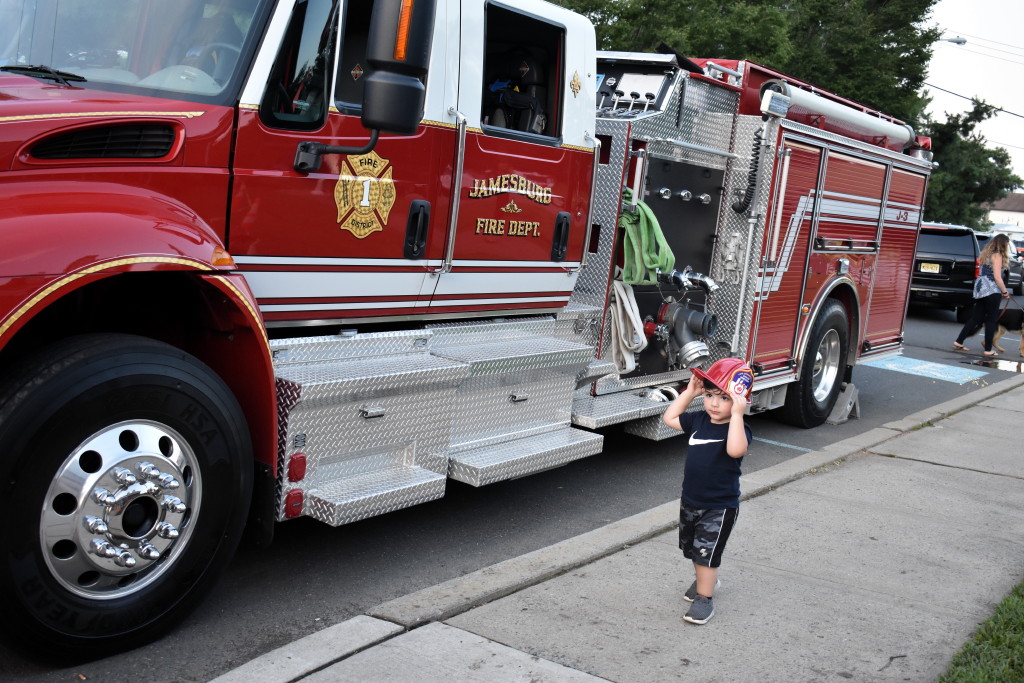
pixel 313 652
pixel 461 594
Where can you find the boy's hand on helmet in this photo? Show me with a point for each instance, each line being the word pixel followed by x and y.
pixel 739 404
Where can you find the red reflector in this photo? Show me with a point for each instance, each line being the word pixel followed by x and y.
pixel 977 269
pixel 293 503
pixel 297 467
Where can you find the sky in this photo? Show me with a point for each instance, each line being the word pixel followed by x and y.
pixel 989 66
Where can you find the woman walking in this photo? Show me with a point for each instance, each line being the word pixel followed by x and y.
pixel 989 289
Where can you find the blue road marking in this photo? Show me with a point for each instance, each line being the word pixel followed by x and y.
pixel 784 445
pixel 923 368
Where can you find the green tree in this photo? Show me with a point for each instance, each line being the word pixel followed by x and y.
pixel 734 30
pixel 969 174
pixel 875 52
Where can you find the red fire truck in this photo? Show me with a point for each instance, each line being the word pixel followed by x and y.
pixel 270 259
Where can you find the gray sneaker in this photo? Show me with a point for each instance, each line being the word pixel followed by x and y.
pixel 700 611
pixel 691 592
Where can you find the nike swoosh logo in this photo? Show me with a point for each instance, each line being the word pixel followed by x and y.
pixel 694 441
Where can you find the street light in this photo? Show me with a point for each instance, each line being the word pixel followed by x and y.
pixel 956 40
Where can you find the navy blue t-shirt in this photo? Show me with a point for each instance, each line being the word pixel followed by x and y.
pixel 711 479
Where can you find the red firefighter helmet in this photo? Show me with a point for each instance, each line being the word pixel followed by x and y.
pixel 731 375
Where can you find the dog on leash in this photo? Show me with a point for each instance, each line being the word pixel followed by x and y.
pixel 1010 320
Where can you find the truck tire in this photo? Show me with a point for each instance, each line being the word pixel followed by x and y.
pixel 811 398
pixel 126 474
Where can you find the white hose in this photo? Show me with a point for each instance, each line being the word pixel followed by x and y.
pixel 627 331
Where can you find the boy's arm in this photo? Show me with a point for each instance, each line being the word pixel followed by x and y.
pixel 679 405
pixel 736 442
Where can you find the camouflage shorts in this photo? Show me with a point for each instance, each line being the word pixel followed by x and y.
pixel 703 533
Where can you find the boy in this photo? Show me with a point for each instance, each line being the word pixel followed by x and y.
pixel 711 479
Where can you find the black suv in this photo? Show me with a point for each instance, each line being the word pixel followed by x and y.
pixel 945 266
pixel 1013 274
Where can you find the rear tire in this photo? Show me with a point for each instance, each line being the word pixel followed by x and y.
pixel 810 400
pixel 126 475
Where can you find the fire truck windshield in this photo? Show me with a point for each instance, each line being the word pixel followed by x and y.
pixel 186 49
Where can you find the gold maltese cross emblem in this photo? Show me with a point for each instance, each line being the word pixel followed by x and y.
pixel 365 194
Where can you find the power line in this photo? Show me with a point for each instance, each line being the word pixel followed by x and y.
pixel 999 109
pixel 988 40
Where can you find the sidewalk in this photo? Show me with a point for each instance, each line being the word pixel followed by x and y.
pixel 871 560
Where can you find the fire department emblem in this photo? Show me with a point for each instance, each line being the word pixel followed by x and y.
pixel 357 72
pixel 365 194
pixel 575 84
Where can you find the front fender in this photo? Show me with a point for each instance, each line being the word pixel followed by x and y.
pixel 51 229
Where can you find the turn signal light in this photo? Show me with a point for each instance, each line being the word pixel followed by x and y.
pixel 402 35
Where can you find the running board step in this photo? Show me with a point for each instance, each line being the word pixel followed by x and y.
pixel 512 459
pixel 595 412
pixel 373 493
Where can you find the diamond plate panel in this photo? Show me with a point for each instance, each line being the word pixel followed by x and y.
pixel 592 284
pixel 371 494
pixel 494 408
pixel 594 412
pixel 579 324
pixel 353 418
pixel 651 428
pixel 509 358
pixel 338 347
pixel 737 252
pixel 464 333
pixel 524 456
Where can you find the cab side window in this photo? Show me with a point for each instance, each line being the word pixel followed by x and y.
pixel 297 93
pixel 352 67
pixel 523 67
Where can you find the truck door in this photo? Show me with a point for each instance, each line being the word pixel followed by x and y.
pixel 784 263
pixel 516 240
pixel 332 244
pixel 891 285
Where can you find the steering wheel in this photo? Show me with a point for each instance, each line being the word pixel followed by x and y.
pixel 219 57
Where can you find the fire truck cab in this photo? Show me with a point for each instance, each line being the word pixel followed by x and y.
pixel 273 259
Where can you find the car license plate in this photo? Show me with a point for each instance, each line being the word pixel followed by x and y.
pixel 929 267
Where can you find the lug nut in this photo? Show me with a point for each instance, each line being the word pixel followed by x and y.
pixel 124 476
pixel 148 470
pixel 103 497
pixel 148 552
pixel 166 530
pixel 125 559
pixel 102 548
pixel 95 525
pixel 166 481
pixel 173 504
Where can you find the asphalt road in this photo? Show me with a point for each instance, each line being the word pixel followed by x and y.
pixel 314 575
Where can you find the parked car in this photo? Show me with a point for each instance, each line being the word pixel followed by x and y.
pixel 945 266
pixel 1013 274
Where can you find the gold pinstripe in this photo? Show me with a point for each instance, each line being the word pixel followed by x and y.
pixel 87 114
pixel 68 279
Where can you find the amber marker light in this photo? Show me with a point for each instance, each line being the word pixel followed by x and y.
pixel 222 258
pixel 402 36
